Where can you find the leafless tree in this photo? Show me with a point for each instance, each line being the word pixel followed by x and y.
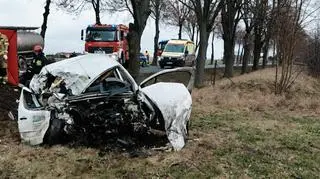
pixel 191 26
pixel 176 14
pixel 291 16
pixel 45 19
pixel 215 33
pixel 312 52
pixel 77 6
pixel 239 41
pixel 157 12
pixel 260 17
pixel 206 12
pixel 230 17
pixel 140 11
pixel 247 17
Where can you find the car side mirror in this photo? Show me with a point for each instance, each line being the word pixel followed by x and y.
pixel 82 34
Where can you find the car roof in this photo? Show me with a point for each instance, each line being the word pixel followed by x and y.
pixel 179 42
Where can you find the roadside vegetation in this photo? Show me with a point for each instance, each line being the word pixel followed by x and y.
pixel 241 130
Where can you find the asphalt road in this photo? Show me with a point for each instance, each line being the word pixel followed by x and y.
pixel 154 69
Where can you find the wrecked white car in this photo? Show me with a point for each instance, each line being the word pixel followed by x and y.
pixel 93 97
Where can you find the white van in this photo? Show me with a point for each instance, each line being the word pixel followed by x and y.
pixel 178 53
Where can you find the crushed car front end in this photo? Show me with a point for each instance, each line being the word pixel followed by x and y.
pixel 99 104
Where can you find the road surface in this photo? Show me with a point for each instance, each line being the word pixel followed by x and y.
pixel 155 69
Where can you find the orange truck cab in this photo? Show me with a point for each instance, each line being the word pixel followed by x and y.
pixel 107 38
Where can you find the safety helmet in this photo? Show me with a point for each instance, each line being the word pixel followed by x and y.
pixel 37 48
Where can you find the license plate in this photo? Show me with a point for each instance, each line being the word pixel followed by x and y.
pixel 169 63
pixel 99 51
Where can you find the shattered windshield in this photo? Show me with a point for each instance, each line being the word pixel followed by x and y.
pixel 101 35
pixel 178 48
pixel 110 81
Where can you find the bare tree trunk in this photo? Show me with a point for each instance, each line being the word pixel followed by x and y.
pixel 241 55
pixel 180 31
pixel 97 12
pixel 45 19
pixel 197 40
pixel 193 32
pixel 157 32
pixel 265 51
pixel 257 48
pixel 238 55
pixel 134 39
pixel 228 56
pixel 141 12
pixel 212 49
pixel 273 53
pixel 246 53
pixel 201 58
pixel 96 8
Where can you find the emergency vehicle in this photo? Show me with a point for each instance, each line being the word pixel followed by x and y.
pixel 107 38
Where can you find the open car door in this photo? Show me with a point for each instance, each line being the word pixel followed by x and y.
pixel 170 91
pixel 184 75
pixel 33 120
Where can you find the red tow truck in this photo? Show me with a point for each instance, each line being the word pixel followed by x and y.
pixel 107 38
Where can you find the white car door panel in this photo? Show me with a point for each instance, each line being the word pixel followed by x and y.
pixel 33 120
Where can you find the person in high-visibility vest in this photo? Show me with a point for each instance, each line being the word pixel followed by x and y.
pixel 4 44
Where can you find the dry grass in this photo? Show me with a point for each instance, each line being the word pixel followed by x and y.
pixel 239 129
pixel 255 92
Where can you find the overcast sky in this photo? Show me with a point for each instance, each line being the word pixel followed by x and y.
pixel 63 33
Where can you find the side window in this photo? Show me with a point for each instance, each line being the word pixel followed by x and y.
pixel 30 100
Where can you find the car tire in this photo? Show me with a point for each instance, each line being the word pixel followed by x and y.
pixel 54 134
pixel 162 66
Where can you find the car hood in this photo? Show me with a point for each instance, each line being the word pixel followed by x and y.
pixel 77 72
pixel 175 106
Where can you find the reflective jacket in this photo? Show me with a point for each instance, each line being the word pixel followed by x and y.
pixel 38 62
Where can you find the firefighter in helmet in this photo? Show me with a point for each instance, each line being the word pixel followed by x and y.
pixel 39 60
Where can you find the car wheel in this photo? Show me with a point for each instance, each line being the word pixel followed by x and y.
pixel 162 66
pixel 54 133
